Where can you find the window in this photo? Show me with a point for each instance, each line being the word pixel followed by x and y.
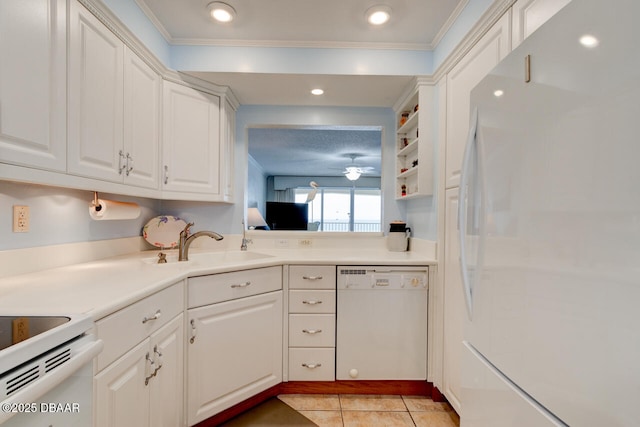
pixel 344 209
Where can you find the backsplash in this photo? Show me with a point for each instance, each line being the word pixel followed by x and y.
pixel 60 216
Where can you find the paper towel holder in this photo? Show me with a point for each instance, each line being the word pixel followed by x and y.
pixel 95 203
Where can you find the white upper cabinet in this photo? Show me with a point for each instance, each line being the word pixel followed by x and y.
pixel 95 97
pixel 227 142
pixel 141 122
pixel 529 15
pixel 107 82
pixel 191 142
pixel 33 83
pixel 467 73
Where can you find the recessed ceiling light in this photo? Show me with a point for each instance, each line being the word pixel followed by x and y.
pixel 221 12
pixel 498 93
pixel 589 41
pixel 317 91
pixel 378 15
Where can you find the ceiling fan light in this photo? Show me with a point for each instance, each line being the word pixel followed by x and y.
pixel 221 12
pixel 352 173
pixel 378 15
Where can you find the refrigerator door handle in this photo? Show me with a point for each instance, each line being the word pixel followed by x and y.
pixel 462 208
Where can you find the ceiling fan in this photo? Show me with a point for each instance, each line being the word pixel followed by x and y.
pixel 353 171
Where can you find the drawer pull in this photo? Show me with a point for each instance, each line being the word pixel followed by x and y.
pixel 241 285
pixel 312 277
pixel 154 317
pixel 312 302
pixel 312 331
pixel 312 365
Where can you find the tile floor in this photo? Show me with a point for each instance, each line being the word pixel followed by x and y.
pixel 350 410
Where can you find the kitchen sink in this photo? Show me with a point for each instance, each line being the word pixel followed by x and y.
pixel 210 258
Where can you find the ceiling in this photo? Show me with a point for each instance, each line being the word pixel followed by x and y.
pixel 323 150
pixel 415 25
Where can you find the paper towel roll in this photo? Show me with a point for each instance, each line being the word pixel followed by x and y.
pixel 110 210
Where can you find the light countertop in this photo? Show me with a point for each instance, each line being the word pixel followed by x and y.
pixel 101 287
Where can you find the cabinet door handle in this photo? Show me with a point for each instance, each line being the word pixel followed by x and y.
pixel 241 285
pixel 311 331
pixel 166 174
pixel 121 165
pixel 312 277
pixel 158 357
pixel 154 317
pixel 312 302
pixel 149 368
pixel 312 365
pixel 193 331
pixel 129 164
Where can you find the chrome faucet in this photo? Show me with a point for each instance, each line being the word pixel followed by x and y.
pixel 186 240
pixel 243 246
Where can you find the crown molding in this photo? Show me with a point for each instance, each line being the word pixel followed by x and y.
pixel 115 25
pixel 449 23
pixel 302 44
pixel 497 9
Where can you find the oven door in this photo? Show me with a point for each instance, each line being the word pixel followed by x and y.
pixel 61 397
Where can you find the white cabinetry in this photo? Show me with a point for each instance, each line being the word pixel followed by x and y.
pixel 529 15
pixel 227 142
pixel 141 372
pixel 141 122
pixel 235 339
pixel 33 83
pixel 414 145
pixel 462 78
pixel 467 73
pixel 454 306
pixel 106 81
pixel 312 322
pixel 191 142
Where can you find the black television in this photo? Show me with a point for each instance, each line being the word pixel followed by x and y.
pixel 287 216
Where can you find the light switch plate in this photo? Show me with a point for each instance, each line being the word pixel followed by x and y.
pixel 20 219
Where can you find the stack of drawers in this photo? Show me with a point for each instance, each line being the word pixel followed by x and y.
pixel 312 322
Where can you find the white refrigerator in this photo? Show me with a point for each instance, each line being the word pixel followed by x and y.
pixel 549 225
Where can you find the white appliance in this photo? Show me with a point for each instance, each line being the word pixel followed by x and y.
pixel 47 379
pixel 550 227
pixel 381 323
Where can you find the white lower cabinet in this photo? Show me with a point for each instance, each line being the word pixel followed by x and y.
pixel 312 323
pixel 454 305
pixel 144 386
pixel 234 345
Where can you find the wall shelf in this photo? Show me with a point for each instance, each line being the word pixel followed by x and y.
pixel 414 145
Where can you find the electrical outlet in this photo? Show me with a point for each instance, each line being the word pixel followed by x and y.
pixel 305 243
pixel 20 329
pixel 20 219
pixel 282 243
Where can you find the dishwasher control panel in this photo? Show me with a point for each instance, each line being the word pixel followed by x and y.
pixel 382 277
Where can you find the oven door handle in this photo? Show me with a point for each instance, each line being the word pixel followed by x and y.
pixel 32 393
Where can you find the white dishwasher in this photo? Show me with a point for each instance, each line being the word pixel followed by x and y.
pixel 381 323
